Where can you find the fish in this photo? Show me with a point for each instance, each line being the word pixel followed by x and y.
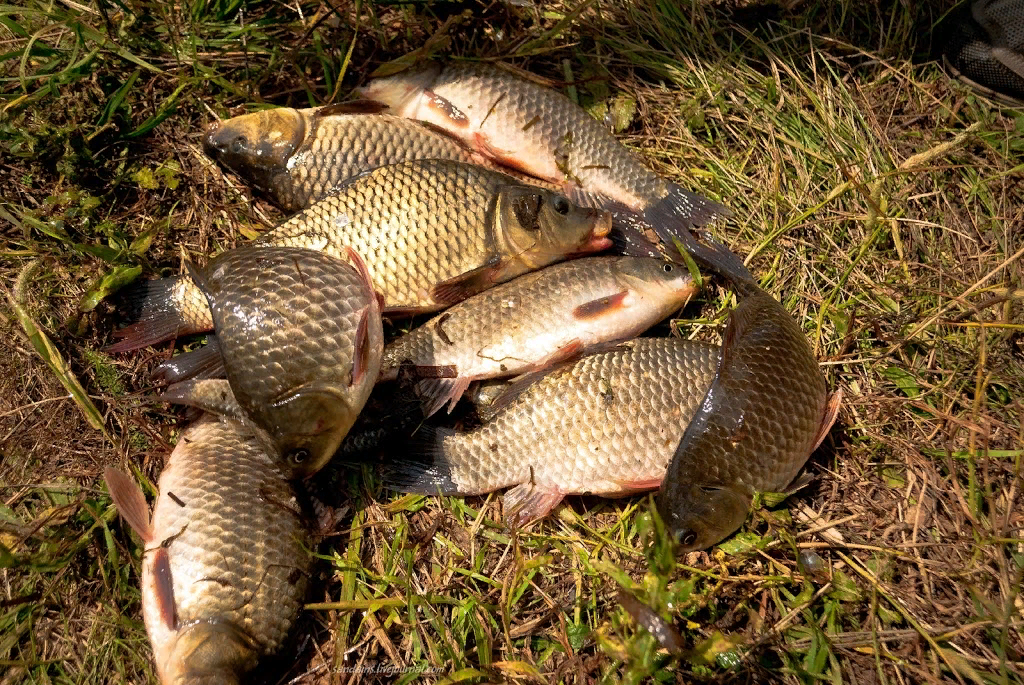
pixel 606 424
pixel 301 341
pixel 536 320
pixel 297 156
pixel 225 562
pixel 767 410
pixel 433 233
pixel 515 121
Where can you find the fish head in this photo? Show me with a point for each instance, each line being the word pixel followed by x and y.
pixel 308 425
pixel 401 92
pixel 256 146
pixel 657 279
pixel 539 226
pixel 699 516
pixel 209 653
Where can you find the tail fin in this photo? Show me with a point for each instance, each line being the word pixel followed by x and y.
pixel 632 236
pixel 425 469
pixel 202 362
pixel 682 208
pixel 157 317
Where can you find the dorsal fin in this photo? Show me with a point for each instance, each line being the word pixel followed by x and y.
pixel 353 107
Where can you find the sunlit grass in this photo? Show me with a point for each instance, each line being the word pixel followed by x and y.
pixel 878 201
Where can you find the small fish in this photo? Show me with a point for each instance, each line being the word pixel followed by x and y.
pixel 537 130
pixel 433 232
pixel 224 566
pixel 606 424
pixel 301 339
pixel 765 413
pixel 297 156
pixel 537 320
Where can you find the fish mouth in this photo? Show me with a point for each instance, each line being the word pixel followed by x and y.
pixel 211 144
pixel 598 239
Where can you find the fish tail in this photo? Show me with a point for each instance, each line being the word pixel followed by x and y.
pixel 676 213
pixel 202 362
pixel 162 309
pixel 680 207
pixel 426 467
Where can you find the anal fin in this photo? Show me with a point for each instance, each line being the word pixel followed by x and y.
pixel 436 392
pixel 528 502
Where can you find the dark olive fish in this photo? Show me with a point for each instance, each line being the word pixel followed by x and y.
pixel 301 340
pixel 225 563
pixel 763 415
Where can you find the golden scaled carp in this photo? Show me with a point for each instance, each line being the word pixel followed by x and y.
pixel 606 424
pixel 432 233
pixel 225 559
pixel 765 413
pixel 297 156
pixel 536 320
pixel 537 130
pixel 300 337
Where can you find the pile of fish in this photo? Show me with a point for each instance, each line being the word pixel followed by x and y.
pixel 471 189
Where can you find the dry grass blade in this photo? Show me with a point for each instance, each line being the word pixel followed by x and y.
pixel 49 353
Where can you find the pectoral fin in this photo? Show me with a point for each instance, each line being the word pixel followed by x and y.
pixel 353 107
pixel 832 406
pixel 464 285
pixel 595 309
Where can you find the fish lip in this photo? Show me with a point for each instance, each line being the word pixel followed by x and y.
pixel 603 224
pixel 596 243
pixel 210 144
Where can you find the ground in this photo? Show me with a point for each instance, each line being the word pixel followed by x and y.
pixel 878 200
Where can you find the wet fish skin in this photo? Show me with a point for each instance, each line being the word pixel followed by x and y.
pixel 606 424
pixel 301 339
pixel 537 130
pixel 762 417
pixel 537 318
pixel 297 156
pixel 225 565
pixel 433 232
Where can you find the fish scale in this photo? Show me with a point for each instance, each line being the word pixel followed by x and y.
pixel 225 566
pixel 766 411
pixel 432 232
pixel 324 147
pixel 301 339
pixel 510 328
pixel 605 424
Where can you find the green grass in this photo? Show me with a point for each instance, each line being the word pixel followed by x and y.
pixel 878 200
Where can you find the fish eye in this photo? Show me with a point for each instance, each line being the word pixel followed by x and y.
pixel 689 539
pixel 298 456
pixel 561 205
pixel 666 267
pixel 239 144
